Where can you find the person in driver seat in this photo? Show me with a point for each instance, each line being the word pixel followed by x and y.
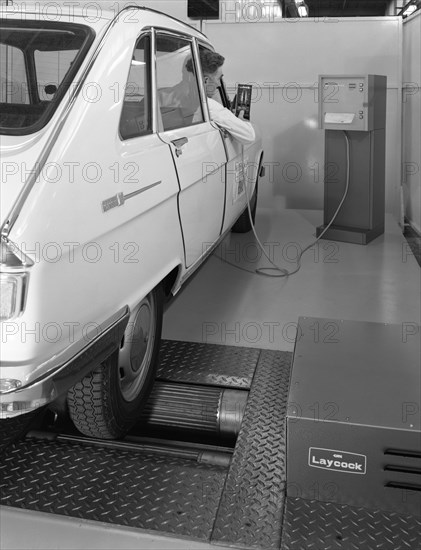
pixel 184 96
pixel 237 127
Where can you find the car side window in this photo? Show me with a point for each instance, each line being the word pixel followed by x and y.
pixel 13 81
pixel 178 89
pixel 51 67
pixel 136 119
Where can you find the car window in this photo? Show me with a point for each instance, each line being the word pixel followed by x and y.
pixel 38 63
pixel 178 89
pixel 136 114
pixel 13 81
pixel 221 95
pixel 51 67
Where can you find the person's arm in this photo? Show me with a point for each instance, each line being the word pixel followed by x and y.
pixel 238 128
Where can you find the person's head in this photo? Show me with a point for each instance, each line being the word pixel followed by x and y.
pixel 211 68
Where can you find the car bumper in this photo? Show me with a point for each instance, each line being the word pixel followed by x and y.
pixel 65 369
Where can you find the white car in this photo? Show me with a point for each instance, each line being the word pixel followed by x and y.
pixel 110 199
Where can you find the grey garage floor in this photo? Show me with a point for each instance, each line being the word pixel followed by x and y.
pixel 222 304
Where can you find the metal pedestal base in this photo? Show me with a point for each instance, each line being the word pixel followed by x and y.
pixel 350 234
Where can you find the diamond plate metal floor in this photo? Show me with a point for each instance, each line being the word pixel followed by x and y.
pixel 250 513
pixel 136 489
pixel 313 525
pixel 209 364
pixel 167 494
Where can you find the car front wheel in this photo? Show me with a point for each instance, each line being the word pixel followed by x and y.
pixel 108 401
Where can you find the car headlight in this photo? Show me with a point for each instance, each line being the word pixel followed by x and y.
pixel 12 294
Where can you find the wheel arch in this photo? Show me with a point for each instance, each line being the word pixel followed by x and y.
pixel 170 280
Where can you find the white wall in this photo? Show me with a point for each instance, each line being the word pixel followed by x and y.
pixel 283 59
pixel 411 103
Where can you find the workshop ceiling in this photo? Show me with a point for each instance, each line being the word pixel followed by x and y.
pixel 346 8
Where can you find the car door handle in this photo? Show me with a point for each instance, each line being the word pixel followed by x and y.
pixel 178 144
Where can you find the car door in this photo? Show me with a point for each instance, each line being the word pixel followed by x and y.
pixel 240 169
pixel 145 181
pixel 197 147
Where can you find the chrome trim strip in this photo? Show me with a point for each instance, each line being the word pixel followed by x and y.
pixel 139 191
pixel 154 102
pixel 39 166
pixel 172 32
pixel 43 390
pixel 199 77
pixel 120 198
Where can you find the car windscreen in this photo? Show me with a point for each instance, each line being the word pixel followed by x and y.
pixel 38 63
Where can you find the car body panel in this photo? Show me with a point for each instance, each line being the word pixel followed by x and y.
pixel 201 172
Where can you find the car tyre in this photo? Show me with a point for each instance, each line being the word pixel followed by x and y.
pixel 243 224
pixel 108 401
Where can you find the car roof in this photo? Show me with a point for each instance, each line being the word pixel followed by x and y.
pixel 52 11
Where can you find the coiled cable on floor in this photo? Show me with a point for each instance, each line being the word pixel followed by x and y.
pixel 276 270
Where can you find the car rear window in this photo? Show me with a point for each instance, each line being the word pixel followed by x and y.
pixel 38 62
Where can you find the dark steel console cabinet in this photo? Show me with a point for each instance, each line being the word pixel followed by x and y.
pixel 353 419
pixel 355 105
